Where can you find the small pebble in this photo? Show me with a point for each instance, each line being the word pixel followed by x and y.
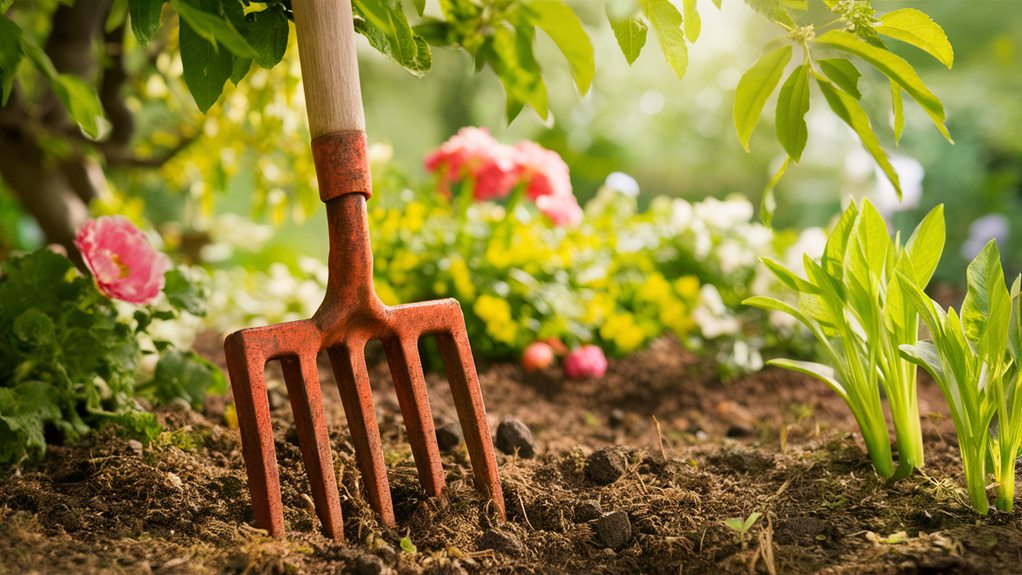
pixel 588 510
pixel 502 542
pixel 174 481
pixel 613 530
pixel 135 446
pixel 617 418
pixel 605 465
pixel 512 434
pixel 448 435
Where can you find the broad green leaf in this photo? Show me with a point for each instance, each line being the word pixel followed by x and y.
pixel 754 88
pixel 824 373
pixel 81 102
pixel 1015 323
pixel 926 245
pixel 925 355
pixel 10 56
pixel 767 203
pixel 420 6
pixel 400 44
pixel 837 243
pixel 213 27
pixel 772 304
pixel 510 55
pixel 916 28
pixel 931 313
pixel 788 277
pixel 848 109
pixel 205 68
pixel 987 306
pixel 631 35
pixel 775 10
pixel 145 18
pixel 666 22
pixel 792 105
pixel 693 23
pixel 267 34
pixel 898 106
pixel 843 73
pixel 240 69
pixel 894 67
pixel 563 26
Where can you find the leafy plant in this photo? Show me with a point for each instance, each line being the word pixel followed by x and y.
pixel 975 359
pixel 741 526
pixel 854 304
pixel 70 360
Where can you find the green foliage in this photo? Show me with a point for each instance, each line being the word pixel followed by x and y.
pixel 854 305
pixel 70 362
pixel 631 35
pixel 742 526
pixel 975 359
pixel 755 87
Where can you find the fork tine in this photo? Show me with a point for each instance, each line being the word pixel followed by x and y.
pixel 468 399
pixel 353 382
pixel 302 379
pixel 410 385
pixel 246 366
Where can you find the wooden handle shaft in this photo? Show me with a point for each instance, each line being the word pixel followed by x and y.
pixel 326 48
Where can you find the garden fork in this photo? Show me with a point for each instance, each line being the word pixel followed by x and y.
pixel 351 315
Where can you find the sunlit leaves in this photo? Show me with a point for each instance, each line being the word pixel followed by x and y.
pixel 267 33
pixel 81 103
pixel 631 35
pixel 850 111
pixel 792 105
pixel 205 67
pixel 894 67
pixel 755 87
pixel 10 55
pixel 843 73
pixel 210 23
pixel 916 28
pixel 565 29
pixel 693 23
pixel 666 23
pixel 384 24
pixel 898 107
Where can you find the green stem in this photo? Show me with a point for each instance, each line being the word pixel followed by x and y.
pixel 908 432
pixel 974 462
pixel 1006 482
pixel 874 435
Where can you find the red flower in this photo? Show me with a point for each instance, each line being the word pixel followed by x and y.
pixel 585 361
pixel 473 154
pixel 122 261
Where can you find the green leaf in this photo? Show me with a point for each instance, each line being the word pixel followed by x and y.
pixel 666 22
pixel 987 306
pixel 925 355
pixel 843 73
pixel 775 10
pixel 407 546
pixel 185 293
pixel 185 375
pixel 205 69
pixel 267 34
pixel 926 245
pixel 35 328
pixel 387 29
pixel 751 520
pixel 894 67
pixel 772 304
pixel 767 203
pixel 788 277
pixel 693 24
pixel 213 26
pixel 25 408
pixel 916 28
pixel 754 88
pixel 792 105
pixel 1015 323
pixel 420 6
pixel 511 57
pixel 81 102
pixel 848 109
pixel 240 69
pixel 899 111
pixel 630 33
pixel 837 243
pixel 824 373
pixel 10 56
pixel 145 18
pixel 563 26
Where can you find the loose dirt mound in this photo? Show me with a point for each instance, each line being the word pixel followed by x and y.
pixel 773 443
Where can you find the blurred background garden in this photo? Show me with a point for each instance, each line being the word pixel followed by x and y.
pixel 670 235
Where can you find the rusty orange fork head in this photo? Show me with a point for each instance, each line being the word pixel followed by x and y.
pixel 350 316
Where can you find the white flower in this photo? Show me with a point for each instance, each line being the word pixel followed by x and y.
pixel 623 183
pixel 810 242
pixel 910 176
pixel 711 315
pixel 722 215
pixel 746 357
pixel 982 230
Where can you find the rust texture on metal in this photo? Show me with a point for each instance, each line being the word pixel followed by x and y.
pixel 351 315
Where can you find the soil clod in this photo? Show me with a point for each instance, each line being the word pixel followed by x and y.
pixel 606 465
pixel 448 435
pixel 371 565
pixel 587 511
pixel 502 542
pixel 613 530
pixel 513 435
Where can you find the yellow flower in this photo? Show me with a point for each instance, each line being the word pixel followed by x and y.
pixel 387 293
pixel 462 279
pixel 622 329
pixel 496 312
pixel 687 287
pixel 655 290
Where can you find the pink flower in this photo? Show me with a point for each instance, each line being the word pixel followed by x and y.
pixel 543 169
pixel 473 154
pixel 122 261
pixel 585 361
pixel 538 355
pixel 562 210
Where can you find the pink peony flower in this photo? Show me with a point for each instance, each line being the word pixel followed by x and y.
pixel 562 210
pixel 543 169
pixel 585 361
pixel 473 154
pixel 538 355
pixel 122 261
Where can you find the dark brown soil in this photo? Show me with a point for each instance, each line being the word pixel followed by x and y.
pixel 772 443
